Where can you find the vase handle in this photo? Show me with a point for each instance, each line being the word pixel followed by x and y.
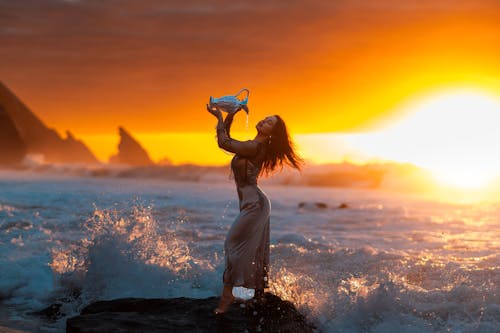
pixel 248 94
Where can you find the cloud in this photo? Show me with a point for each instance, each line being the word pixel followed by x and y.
pixel 209 32
pixel 197 31
pixel 110 49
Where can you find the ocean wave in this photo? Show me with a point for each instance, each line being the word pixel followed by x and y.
pixel 382 265
pixel 364 290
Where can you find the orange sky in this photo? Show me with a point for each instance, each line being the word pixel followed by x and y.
pixel 150 66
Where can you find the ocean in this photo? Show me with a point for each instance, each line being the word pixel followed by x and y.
pixel 351 260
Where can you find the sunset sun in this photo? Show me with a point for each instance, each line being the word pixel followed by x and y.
pixel 454 134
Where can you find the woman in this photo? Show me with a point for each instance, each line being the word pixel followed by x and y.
pixel 247 243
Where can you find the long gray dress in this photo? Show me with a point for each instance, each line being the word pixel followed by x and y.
pixel 247 242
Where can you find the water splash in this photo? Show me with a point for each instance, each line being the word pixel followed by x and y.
pixel 362 290
pixel 7 210
pixel 139 235
pixel 307 294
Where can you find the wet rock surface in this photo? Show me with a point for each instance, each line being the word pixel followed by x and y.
pixel 188 315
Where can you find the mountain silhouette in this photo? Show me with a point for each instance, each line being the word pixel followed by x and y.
pixel 40 139
pixel 12 146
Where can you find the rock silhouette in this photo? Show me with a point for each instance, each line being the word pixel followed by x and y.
pixel 130 151
pixel 188 315
pixel 12 146
pixel 312 205
pixel 40 139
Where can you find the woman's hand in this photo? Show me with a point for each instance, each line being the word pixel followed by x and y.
pixel 215 111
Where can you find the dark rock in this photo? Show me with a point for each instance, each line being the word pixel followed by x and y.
pixel 51 313
pixel 321 205
pixel 12 146
pixel 38 138
pixel 130 151
pixel 79 151
pixel 188 315
pixel 343 206
pixel 309 205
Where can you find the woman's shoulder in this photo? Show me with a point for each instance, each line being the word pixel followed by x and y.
pixel 257 149
pixel 261 150
pixel 257 144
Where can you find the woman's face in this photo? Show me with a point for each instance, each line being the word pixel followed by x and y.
pixel 266 125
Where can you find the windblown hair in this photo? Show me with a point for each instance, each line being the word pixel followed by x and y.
pixel 280 150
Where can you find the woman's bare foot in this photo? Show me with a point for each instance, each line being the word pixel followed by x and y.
pixel 226 300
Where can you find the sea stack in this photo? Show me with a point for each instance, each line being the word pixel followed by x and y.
pixel 130 151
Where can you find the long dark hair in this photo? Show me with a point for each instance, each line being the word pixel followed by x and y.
pixel 280 150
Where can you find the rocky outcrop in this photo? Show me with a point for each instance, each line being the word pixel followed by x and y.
pixel 80 152
pixel 130 151
pixel 40 139
pixel 313 205
pixel 12 146
pixel 188 315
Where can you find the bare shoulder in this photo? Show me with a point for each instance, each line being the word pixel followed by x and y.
pixel 255 143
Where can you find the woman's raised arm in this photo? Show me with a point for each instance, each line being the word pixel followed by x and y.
pixel 224 140
pixel 244 148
